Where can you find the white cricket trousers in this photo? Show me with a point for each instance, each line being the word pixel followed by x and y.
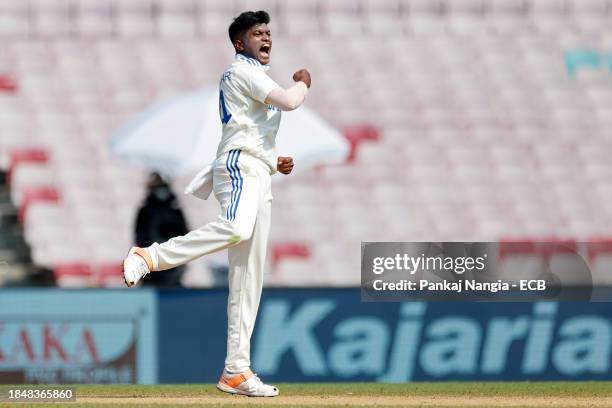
pixel 242 185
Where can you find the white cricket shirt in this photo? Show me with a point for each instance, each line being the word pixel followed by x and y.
pixel 247 122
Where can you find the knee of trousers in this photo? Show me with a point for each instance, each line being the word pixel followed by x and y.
pixel 242 232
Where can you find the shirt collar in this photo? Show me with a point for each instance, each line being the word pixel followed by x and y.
pixel 252 61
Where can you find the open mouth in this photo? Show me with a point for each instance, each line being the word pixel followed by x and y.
pixel 264 50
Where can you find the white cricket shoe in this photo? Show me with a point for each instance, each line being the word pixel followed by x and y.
pixel 136 265
pixel 246 383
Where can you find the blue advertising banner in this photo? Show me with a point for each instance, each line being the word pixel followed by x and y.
pixel 50 336
pixel 143 336
pixel 330 335
pixel 192 334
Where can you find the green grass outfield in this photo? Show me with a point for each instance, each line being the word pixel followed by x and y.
pixel 502 394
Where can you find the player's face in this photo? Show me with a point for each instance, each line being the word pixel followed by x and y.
pixel 257 43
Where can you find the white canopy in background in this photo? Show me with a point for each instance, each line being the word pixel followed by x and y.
pixel 180 136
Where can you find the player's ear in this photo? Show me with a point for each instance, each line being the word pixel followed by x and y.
pixel 238 45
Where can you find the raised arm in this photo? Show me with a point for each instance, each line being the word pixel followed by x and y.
pixel 292 97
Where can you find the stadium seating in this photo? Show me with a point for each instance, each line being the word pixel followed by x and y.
pixel 482 119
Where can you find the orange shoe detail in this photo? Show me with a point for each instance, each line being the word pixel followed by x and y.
pixel 237 379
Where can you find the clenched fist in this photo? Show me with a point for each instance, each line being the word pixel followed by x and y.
pixel 284 164
pixel 302 75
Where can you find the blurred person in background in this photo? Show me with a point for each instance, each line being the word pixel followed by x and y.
pixel 159 219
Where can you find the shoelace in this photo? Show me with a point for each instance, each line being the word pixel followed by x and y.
pixel 257 379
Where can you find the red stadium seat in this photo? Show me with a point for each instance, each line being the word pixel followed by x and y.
pixel 8 84
pixel 565 261
pixel 289 250
pixel 600 259
pixel 555 246
pixel 507 247
pixel 544 247
pixel 599 246
pixel 519 259
pixel 33 194
pixel 72 269
pixel 358 134
pixel 31 155
pixel 110 275
pixel 73 274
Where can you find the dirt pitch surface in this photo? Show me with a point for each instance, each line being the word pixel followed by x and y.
pixel 552 394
